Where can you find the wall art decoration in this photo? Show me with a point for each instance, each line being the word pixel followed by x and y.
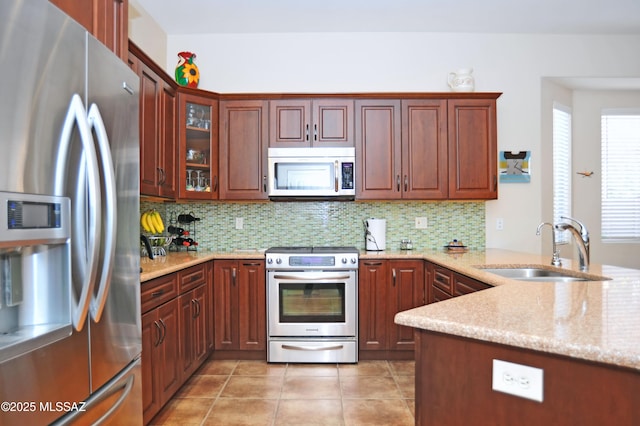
pixel 514 166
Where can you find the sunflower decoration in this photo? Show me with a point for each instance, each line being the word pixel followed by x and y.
pixel 187 73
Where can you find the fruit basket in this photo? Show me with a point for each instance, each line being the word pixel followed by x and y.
pixel 159 245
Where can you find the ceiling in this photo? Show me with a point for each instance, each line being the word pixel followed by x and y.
pixel 467 16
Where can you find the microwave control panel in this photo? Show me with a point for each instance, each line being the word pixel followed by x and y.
pixel 347 176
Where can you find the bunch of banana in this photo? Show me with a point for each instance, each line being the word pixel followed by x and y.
pixel 151 222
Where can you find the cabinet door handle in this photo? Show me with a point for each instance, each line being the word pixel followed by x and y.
pixel 161 176
pixel 398 182
pixel 406 183
pixel 233 276
pixel 306 132
pixel 393 275
pixel 215 183
pixel 315 132
pixel 264 183
pixel 158 333
pixel 196 308
pixel 336 170
pixel 164 332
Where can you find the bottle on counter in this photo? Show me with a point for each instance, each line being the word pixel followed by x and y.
pixel 177 231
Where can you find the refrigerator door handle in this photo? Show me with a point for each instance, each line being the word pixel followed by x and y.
pixel 76 113
pixel 110 211
pixel 123 383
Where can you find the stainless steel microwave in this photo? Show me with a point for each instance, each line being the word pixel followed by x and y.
pixel 311 173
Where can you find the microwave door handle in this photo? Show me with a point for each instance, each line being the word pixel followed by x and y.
pixel 336 174
pixel 110 212
pixel 76 113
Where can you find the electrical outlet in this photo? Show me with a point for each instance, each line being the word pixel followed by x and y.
pixel 499 224
pixel 239 223
pixel 517 379
pixel 421 223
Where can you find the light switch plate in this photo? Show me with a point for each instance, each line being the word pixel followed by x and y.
pixel 421 223
pixel 519 380
pixel 239 223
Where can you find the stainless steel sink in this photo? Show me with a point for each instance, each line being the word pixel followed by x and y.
pixel 542 274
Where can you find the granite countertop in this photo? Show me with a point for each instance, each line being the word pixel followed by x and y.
pixel 175 261
pixel 591 320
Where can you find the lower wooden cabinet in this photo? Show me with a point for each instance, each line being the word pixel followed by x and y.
pixel 385 288
pixel 443 283
pixel 160 357
pixel 176 312
pixel 240 308
pixel 193 329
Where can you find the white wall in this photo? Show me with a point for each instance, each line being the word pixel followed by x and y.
pixel 513 64
pixel 147 34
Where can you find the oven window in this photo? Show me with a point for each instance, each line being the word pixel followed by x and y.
pixel 312 302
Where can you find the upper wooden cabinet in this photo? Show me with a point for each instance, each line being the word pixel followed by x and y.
pixel 107 20
pixel 158 141
pixel 198 148
pixel 378 149
pixel 426 148
pixel 243 149
pixel 473 151
pixel 311 123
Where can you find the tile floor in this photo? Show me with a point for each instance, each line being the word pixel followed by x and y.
pixel 257 393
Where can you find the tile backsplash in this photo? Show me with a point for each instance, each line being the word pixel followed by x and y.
pixel 327 223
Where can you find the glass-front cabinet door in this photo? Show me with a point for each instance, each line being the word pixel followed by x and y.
pixel 198 147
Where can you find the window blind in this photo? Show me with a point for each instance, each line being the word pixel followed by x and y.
pixel 561 167
pixel 620 133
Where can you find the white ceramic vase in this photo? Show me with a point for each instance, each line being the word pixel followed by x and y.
pixel 462 80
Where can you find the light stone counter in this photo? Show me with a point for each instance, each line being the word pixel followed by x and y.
pixel 590 320
pixel 175 261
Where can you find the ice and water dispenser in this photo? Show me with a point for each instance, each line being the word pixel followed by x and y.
pixel 36 300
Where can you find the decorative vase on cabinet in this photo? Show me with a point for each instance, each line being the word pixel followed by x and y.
pixel 187 73
pixel 462 80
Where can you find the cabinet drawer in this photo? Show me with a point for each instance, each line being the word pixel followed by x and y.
pixel 465 285
pixel 155 292
pixel 438 295
pixel 192 277
pixel 442 279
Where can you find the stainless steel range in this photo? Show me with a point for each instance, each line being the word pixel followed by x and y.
pixel 312 304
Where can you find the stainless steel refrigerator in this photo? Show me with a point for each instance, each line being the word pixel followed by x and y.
pixel 70 328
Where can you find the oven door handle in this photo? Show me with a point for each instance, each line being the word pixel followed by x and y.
pixel 313 348
pixel 311 278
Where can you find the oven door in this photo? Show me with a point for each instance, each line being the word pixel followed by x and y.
pixel 312 303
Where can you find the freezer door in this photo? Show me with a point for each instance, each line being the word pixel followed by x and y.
pixel 115 324
pixel 117 403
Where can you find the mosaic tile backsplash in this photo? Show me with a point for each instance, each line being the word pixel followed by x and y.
pixel 327 223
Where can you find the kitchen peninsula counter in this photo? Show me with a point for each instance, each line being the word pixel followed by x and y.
pixel 595 321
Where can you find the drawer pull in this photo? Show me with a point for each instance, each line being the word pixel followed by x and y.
pixel 157 293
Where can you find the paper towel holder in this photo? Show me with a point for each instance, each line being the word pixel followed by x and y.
pixel 374 242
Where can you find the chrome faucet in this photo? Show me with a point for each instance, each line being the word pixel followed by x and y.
pixel 555 260
pixel 582 238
